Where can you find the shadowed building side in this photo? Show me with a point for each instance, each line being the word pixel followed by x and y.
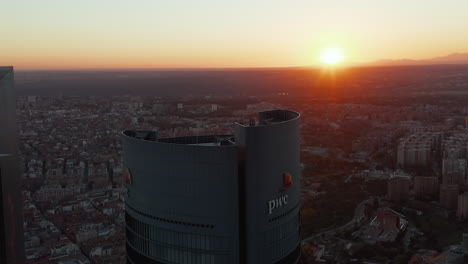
pixel 11 218
pixel 8 137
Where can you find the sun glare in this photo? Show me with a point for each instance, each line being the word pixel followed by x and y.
pixel 332 56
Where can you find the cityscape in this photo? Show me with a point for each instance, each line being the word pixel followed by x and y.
pixel 246 132
pixel 379 182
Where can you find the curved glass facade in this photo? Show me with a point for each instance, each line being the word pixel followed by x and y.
pixel 215 199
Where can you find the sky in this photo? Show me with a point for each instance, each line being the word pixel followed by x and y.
pixel 68 34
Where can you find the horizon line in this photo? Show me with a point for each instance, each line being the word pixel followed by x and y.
pixel 360 65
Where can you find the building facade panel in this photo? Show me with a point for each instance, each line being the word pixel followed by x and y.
pixel 182 204
pixel 272 153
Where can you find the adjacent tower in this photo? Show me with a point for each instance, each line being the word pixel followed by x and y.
pixel 11 218
pixel 270 174
pixel 231 199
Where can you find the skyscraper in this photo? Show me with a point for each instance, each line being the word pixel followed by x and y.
pixel 11 219
pixel 231 199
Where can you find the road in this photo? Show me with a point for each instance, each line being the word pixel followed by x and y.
pixel 357 214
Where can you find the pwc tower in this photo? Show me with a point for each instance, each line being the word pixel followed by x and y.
pixel 227 199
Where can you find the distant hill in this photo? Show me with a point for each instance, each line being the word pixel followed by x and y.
pixel 455 58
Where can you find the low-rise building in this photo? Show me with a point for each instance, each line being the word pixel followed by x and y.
pixel 449 195
pixel 426 188
pixel 462 211
pixel 398 189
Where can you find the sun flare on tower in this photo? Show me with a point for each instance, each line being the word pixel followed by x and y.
pixel 332 55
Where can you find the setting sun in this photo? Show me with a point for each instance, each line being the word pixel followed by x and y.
pixel 332 56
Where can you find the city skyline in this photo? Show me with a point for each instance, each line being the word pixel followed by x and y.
pixel 208 34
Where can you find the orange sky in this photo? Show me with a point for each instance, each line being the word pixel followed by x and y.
pixel 57 34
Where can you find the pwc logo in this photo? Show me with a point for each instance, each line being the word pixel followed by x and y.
pixel 128 176
pixel 284 199
pixel 288 180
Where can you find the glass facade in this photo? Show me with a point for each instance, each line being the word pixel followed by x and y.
pixel 173 246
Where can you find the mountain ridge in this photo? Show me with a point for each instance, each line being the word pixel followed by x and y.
pixel 454 58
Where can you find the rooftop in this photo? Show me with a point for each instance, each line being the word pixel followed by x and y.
pixel 211 140
pixel 265 118
pixel 272 117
